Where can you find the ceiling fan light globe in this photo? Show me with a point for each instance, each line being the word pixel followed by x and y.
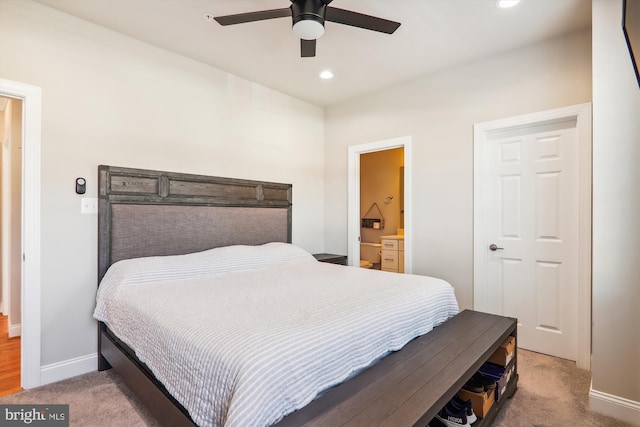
pixel 308 29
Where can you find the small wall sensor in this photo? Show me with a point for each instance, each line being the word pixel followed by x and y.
pixel 81 185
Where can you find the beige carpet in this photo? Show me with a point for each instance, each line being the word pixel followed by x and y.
pixel 96 399
pixel 551 392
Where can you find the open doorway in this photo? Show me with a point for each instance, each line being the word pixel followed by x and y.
pixel 11 126
pixel 31 97
pixel 381 208
pixel 401 199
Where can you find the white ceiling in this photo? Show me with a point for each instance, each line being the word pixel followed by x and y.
pixel 434 35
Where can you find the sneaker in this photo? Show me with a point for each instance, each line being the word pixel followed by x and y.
pixel 457 402
pixel 451 417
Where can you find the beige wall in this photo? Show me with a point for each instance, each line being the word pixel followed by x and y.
pixel 109 99
pixel 438 111
pixel 616 213
pixel 15 245
pixel 3 166
pixel 380 178
pixel 4 282
pixel 11 205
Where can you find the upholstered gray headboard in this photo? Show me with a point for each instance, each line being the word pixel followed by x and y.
pixel 150 213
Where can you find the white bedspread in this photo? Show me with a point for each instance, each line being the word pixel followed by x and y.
pixel 243 336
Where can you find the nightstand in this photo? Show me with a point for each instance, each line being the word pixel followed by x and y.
pixel 332 258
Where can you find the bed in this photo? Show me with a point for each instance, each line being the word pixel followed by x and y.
pixel 187 263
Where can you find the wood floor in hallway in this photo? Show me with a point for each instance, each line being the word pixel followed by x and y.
pixel 9 360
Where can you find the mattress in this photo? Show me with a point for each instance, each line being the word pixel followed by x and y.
pixel 241 336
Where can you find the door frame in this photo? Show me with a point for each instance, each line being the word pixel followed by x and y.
pixel 581 113
pixel 353 210
pixel 30 299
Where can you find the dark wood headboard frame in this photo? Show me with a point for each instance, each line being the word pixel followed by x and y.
pixel 141 191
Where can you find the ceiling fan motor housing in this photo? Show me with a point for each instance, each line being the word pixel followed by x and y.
pixel 303 11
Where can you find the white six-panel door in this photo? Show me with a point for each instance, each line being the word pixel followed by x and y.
pixel 532 201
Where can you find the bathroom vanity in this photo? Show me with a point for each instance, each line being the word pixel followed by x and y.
pixel 393 253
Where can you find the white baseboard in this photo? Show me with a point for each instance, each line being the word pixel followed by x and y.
pixel 15 330
pixel 614 406
pixel 68 368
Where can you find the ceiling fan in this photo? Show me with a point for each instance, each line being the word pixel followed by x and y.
pixel 309 17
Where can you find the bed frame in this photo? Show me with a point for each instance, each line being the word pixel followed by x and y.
pixel 150 213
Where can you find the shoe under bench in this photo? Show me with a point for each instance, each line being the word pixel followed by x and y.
pixel 408 388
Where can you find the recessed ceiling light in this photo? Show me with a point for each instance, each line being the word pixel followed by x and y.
pixel 326 74
pixel 504 4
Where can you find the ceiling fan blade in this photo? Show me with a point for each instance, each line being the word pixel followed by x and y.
pixel 307 48
pixel 360 20
pixel 241 18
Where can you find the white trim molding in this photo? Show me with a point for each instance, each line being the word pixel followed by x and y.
pixel 353 209
pixel 613 406
pixel 15 330
pixel 30 299
pixel 59 371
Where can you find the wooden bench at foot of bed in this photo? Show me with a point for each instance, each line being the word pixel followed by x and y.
pixel 408 388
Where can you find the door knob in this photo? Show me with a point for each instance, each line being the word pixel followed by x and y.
pixel 493 247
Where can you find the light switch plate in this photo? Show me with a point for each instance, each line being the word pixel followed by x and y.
pixel 89 205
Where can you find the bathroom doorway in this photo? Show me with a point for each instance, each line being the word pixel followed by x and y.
pixel 380 201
